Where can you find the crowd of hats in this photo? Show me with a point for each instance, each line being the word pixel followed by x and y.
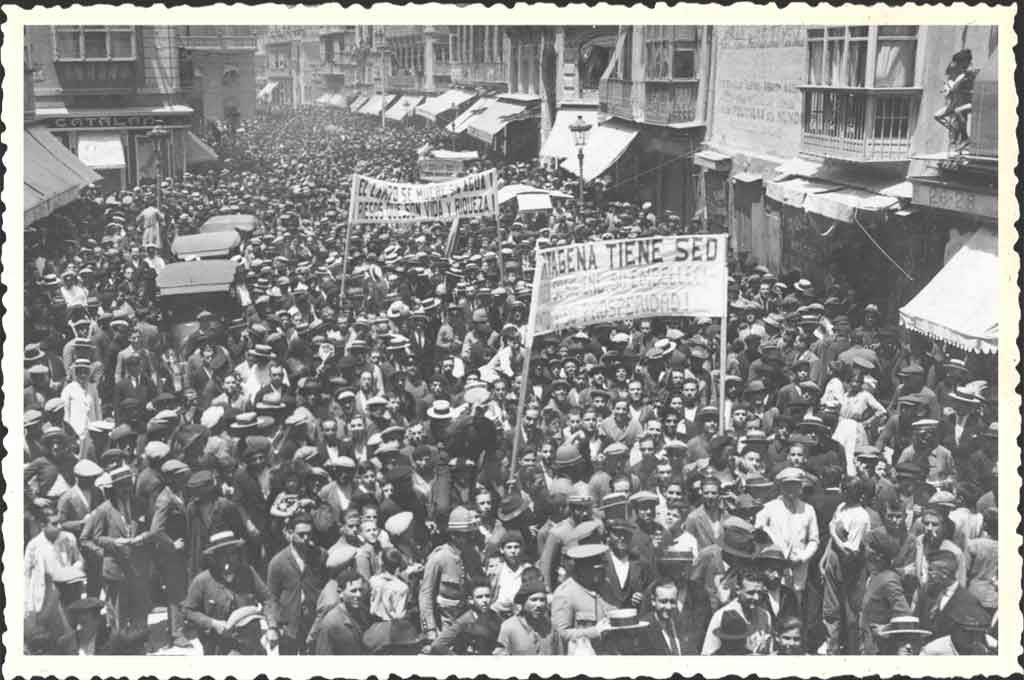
pixel 293 174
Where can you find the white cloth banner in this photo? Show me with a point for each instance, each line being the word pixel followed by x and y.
pixel 606 281
pixel 376 201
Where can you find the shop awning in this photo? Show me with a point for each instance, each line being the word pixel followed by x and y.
pixel 492 121
pixel 198 151
pixel 403 107
pixel 960 306
pixel 267 90
pixel 323 99
pixel 442 103
pixel 53 175
pixel 336 100
pixel 533 201
pixel 606 144
pixel 461 124
pixel 375 104
pixel 101 150
pixel 559 143
pixel 358 102
pixel 845 203
pixel 795 191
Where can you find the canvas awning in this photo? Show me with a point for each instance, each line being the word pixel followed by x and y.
pixel 461 124
pixel 198 151
pixel 606 144
pixel 336 100
pixel 323 99
pixel 844 203
pixel 267 90
pixel 834 193
pixel 534 201
pixel 795 191
pixel 403 107
pixel 559 143
pixel 53 175
pixel 492 121
pixel 101 150
pixel 444 102
pixel 960 306
pixel 375 105
pixel 358 102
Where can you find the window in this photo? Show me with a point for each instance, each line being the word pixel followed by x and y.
pixel 671 52
pixel 231 77
pixel 838 56
pixel 94 43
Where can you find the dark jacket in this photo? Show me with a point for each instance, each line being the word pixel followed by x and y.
pixel 293 593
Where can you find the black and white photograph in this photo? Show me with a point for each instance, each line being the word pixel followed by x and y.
pixel 515 339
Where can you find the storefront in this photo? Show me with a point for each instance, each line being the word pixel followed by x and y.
pixel 117 145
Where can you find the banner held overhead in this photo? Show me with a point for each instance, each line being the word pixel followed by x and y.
pixel 606 281
pixel 376 201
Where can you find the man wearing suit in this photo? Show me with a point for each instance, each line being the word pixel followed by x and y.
pixel 626 578
pixel 943 596
pixel 671 630
pixel 705 522
pixel 135 384
pixel 961 428
pixel 294 579
pixel 250 494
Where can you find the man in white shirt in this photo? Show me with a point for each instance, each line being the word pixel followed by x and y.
pixel 81 402
pixel 792 525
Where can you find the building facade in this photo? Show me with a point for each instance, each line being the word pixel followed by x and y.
pixel 103 90
pixel 812 134
pixel 293 62
pixel 218 72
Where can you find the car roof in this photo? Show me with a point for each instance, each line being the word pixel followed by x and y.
pixel 186 278
pixel 237 221
pixel 206 245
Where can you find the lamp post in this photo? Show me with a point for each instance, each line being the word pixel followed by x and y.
pixel 451 127
pixel 580 129
pixel 157 135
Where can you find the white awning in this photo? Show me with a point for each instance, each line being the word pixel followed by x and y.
pixel 323 99
pixel 559 143
pixel 53 175
pixel 960 306
pixel 461 124
pixel 101 150
pixel 606 144
pixel 533 201
pixel 267 90
pixel 444 102
pixel 844 203
pixel 358 102
pixel 375 104
pixel 336 100
pixel 403 107
pixel 492 121
pixel 795 191
pixel 198 151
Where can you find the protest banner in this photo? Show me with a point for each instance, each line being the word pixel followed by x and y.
pixel 582 284
pixel 375 201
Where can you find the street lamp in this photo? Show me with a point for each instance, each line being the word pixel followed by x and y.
pixel 157 135
pixel 580 130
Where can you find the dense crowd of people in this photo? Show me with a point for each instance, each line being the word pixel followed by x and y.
pixel 330 469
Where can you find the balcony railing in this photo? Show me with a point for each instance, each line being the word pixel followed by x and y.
pixel 860 125
pixel 983 127
pixel 669 102
pixel 403 81
pixel 483 72
pixel 217 42
pixel 616 97
pixel 279 71
pixel 342 67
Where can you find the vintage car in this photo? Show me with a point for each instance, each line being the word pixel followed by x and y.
pixel 186 288
pixel 218 244
pixel 242 223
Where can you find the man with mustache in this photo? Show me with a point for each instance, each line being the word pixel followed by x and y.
pixel 229 582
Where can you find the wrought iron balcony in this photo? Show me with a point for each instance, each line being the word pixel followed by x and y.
pixel 859 125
